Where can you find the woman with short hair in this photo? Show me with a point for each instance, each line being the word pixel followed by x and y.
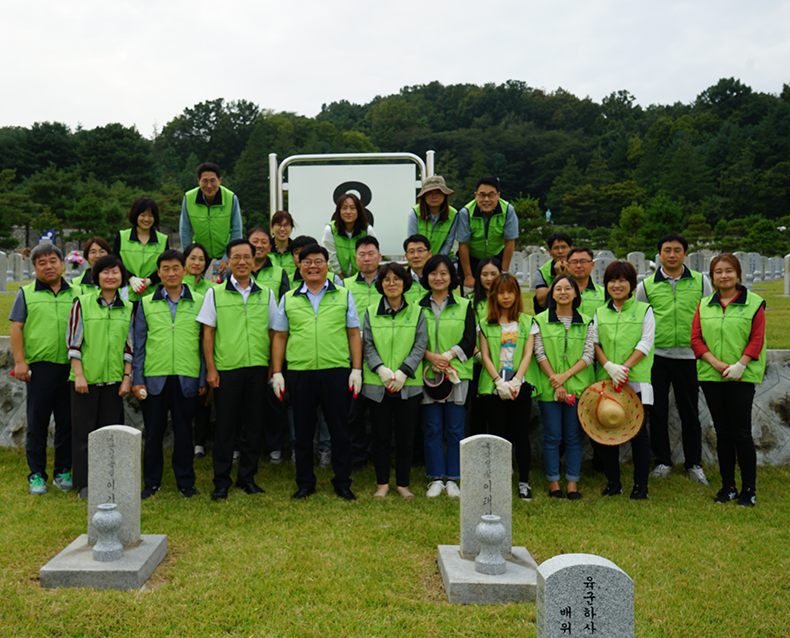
pixel 94 248
pixel 140 246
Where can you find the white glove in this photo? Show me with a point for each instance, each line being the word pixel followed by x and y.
pixel 451 374
pixel 515 383
pixel 618 373
pixel 147 283
pixel 385 374
pixel 278 385
pixel 734 372
pixel 479 357
pixel 355 382
pixel 504 389
pixel 400 380
pixel 137 284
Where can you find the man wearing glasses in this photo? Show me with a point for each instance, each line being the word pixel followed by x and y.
pixel 316 327
pixel 238 319
pixel 581 264
pixel 418 251
pixel 487 227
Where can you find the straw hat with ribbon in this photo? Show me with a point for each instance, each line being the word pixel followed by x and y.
pixel 610 416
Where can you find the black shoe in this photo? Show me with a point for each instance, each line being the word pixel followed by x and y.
pixel 83 493
pixel 612 489
pixel 148 492
pixel 302 493
pixel 556 494
pixel 250 488
pixel 747 498
pixel 725 495
pixel 219 494
pixel 345 493
pixel 574 496
pixel 188 492
pixel 639 493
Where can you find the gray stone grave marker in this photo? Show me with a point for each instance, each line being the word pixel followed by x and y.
pixel 18 266
pixel 3 273
pixel 747 276
pixel 486 488
pixel 756 267
pixel 768 274
pixel 605 254
pixel 696 262
pixel 600 267
pixel 113 477
pixel 637 259
pixel 584 595
pixel 29 272
pixel 787 275
pixel 536 260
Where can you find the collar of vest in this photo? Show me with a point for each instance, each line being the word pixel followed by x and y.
pixel 116 303
pixel 363 280
pixel 330 288
pixel 383 305
pixel 628 302
pixel 577 318
pixel 590 284
pixel 342 233
pixel 266 264
pixel 201 198
pixel 479 213
pixel 153 239
pixel 159 293
pixel 231 288
pixel 740 299
pixel 660 274
pixel 425 302
pixel 40 285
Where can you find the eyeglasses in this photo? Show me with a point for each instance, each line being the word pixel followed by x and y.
pixel 237 258
pixel 580 262
pixel 491 195
pixel 416 251
pixel 313 262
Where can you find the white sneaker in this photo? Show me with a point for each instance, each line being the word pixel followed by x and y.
pixel 453 491
pixel 661 471
pixel 524 492
pixel 435 488
pixel 276 457
pixel 236 456
pixel 696 474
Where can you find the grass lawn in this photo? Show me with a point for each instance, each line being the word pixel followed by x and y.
pixel 269 566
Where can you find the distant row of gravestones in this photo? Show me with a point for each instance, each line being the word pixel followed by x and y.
pixel 15 268
pixel 756 268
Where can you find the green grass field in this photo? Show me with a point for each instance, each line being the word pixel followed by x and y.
pixel 269 566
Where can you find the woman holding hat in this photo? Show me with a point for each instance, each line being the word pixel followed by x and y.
pixel 349 223
pixel 728 339
pixel 623 332
pixel 564 351
pixel 451 344
pixel 393 341
pixel 433 216
pixel 507 337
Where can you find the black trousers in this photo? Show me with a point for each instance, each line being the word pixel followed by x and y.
pixel 357 430
pixel 274 421
pixel 182 409
pixel 476 405
pixel 397 415
pixel 89 412
pixel 640 450
pixel 510 420
pixel 48 393
pixel 730 404
pixel 681 374
pixel 329 389
pixel 202 421
pixel 240 401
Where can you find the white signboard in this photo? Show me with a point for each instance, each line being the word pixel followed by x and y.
pixel 388 193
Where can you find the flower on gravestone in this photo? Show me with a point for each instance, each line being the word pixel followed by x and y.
pixel 75 258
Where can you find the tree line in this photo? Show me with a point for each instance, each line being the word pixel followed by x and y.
pixel 613 174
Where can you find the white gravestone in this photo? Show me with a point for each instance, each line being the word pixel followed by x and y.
pixel 486 488
pixel 584 595
pixel 637 259
pixel 600 268
pixel 18 265
pixel 113 477
pixel 696 262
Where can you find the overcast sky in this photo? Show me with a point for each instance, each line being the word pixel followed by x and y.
pixel 141 63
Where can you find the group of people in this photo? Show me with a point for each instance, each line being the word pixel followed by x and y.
pixel 275 328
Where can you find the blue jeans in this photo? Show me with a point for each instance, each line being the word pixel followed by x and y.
pixel 438 419
pixel 561 423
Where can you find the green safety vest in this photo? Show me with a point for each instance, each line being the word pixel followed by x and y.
pixel 618 334
pixel 284 261
pixel 346 249
pixel 415 293
pixel 394 339
pixel 83 282
pixel 201 288
pixel 296 282
pixel 270 276
pixel 726 334
pixel 317 341
pixel 437 234
pixel 44 330
pixel 674 311
pixel 493 335
pixel 451 330
pixel 563 353
pixel 364 295
pixel 547 271
pixel 211 224
pixel 140 259
pixel 105 331
pixel 482 245
pixel 592 299
pixel 172 346
pixel 242 336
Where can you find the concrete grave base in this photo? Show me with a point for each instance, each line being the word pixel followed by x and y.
pixel 466 586
pixel 75 567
